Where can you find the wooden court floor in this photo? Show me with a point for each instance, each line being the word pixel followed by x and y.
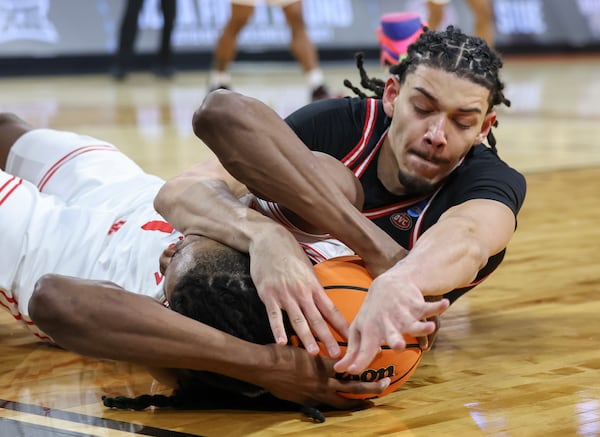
pixel 517 356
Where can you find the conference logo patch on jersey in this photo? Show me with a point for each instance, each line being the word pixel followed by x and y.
pixel 401 220
pixel 416 210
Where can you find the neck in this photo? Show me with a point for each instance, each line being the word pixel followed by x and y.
pixel 387 171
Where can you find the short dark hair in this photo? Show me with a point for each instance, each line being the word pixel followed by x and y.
pixel 450 50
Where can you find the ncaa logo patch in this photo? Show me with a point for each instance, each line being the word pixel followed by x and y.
pixel 401 220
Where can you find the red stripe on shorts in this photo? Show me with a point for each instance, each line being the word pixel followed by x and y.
pixel 68 157
pixel 14 180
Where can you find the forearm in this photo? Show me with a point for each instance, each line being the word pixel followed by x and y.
pixel 259 149
pixel 447 256
pixel 103 321
pixel 208 207
pixel 450 254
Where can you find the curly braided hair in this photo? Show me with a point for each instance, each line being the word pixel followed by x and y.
pixel 218 291
pixel 468 57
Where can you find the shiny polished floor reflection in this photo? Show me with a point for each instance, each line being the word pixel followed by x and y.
pixel 518 356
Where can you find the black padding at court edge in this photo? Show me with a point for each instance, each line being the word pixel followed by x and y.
pixel 85 419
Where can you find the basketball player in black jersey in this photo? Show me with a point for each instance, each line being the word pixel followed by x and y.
pixel 418 150
pixel 440 205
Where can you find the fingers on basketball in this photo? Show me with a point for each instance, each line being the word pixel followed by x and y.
pixel 346 281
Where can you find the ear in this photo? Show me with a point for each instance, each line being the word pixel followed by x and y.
pixel 165 257
pixel 390 93
pixel 488 123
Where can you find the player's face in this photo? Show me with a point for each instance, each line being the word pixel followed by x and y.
pixel 436 118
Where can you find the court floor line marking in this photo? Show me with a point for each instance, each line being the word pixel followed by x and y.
pixel 91 420
pixel 17 427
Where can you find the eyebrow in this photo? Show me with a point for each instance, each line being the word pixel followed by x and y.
pixel 434 99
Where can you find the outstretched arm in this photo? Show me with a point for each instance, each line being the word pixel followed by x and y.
pixel 102 320
pixel 259 149
pixel 446 257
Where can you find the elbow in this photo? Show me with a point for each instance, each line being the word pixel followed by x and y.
pixel 474 250
pixel 9 118
pixel 478 254
pixel 214 112
pixel 47 303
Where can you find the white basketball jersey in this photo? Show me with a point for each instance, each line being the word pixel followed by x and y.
pixel 52 237
pixel 76 206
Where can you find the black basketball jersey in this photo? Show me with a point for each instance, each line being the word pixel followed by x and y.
pixel 353 130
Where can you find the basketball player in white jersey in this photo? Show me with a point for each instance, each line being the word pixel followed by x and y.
pixel 80 233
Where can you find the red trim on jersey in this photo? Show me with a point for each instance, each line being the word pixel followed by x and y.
pixel 313 254
pixel 8 298
pixel 13 180
pixel 360 170
pixel 68 157
pixel 272 208
pixel 277 214
pixel 12 306
pixel 414 235
pixel 43 337
pixel 6 306
pixel 158 225
pixel 368 126
pixel 385 210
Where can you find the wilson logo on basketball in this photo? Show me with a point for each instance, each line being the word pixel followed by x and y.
pixel 368 375
pixel 401 220
pixel 346 281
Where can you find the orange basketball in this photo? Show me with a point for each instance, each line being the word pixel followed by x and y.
pixel 347 281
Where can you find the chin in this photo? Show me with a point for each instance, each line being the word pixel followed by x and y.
pixel 415 185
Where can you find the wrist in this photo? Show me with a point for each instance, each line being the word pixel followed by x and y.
pixel 369 241
pixel 265 231
pixel 256 366
pixel 244 228
pixel 240 359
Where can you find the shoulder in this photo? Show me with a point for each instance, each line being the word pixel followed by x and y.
pixel 336 123
pixel 351 109
pixel 482 159
pixel 484 174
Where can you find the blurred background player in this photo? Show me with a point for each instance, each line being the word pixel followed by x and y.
pixel 301 46
pixel 128 32
pixel 482 15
